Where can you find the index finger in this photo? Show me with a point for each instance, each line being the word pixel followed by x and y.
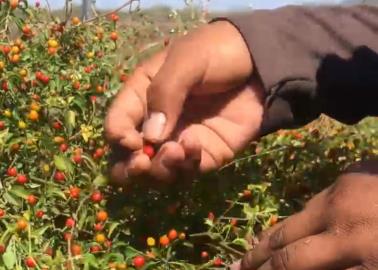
pixel 128 109
pixel 306 223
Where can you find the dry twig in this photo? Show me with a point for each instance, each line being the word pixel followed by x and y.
pixel 128 3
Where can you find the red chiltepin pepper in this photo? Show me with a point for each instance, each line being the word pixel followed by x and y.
pixel 149 150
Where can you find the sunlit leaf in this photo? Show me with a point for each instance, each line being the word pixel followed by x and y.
pixel 63 163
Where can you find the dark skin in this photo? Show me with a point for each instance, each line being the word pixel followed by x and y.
pixel 211 113
pixel 201 100
pixel 336 230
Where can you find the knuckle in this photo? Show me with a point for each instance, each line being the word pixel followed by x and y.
pixel 247 261
pixel 280 259
pixel 335 199
pixel 354 224
pixel 346 186
pixel 336 196
pixel 263 235
pixel 277 239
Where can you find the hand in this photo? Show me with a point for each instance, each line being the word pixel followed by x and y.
pixel 195 99
pixel 338 229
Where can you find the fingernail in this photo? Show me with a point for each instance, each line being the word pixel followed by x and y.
pixel 154 126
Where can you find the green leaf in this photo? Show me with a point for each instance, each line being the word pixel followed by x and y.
pixel 188 266
pixel 59 256
pixel 9 258
pixel 4 238
pixel 113 257
pixel 209 222
pixel 89 162
pixel 56 192
pixel 63 163
pixel 11 199
pixel 112 227
pixel 152 265
pixel 55 210
pixel 90 260
pixel 249 212
pixel 19 22
pixel 241 242
pixel 70 121
pixel 188 244
pixel 82 217
pixel 131 252
pixel 80 102
pixel 19 191
pixel 100 180
pixel 3 136
pixel 15 140
pixel 34 185
pixel 40 231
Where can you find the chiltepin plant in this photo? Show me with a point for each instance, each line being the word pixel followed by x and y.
pixel 57 210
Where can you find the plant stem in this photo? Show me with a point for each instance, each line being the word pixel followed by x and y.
pixel 128 3
pixel 29 238
pixel 253 156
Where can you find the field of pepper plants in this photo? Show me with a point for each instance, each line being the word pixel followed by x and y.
pixel 57 208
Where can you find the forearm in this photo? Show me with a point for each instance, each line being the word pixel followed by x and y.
pixel 314 60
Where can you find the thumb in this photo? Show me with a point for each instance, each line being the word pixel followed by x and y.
pixel 182 70
pixel 203 59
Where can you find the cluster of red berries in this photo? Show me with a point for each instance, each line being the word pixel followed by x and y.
pixel 40 76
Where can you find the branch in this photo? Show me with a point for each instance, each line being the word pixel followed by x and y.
pixel 68 7
pixel 231 250
pixel 49 9
pixel 128 3
pixel 93 7
pixel 252 156
pixel 6 26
